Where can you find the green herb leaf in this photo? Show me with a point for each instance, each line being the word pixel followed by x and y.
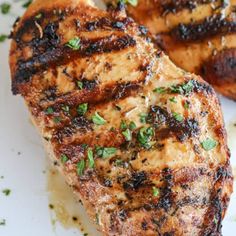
pixel 155 191
pixel 186 104
pixel 143 117
pixel 7 192
pixel 80 167
pixel 80 85
pixel 82 109
pixel 38 16
pixel 173 100
pixel 144 137
pixel 131 2
pixel 127 134
pixel 123 125
pixel 5 8
pixel 98 120
pixel 183 89
pixel 132 125
pixel 105 152
pixel 74 43
pixel 90 158
pixel 64 158
pixel 49 111
pixel 2 222
pixel 65 108
pixel 178 117
pixel 209 144
pixel 57 119
pixel 160 90
pixel 3 37
pixel 26 4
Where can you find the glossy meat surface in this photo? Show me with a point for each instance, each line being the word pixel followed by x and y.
pixel 141 142
pixel 199 36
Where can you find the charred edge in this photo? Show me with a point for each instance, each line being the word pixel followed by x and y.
pixel 221 68
pixel 182 130
pixel 62 55
pixel 210 27
pixel 218 204
pixel 105 23
pixel 174 6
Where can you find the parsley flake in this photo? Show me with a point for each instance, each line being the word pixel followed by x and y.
pixel 105 152
pixel 155 191
pixel 209 144
pixel 178 117
pixel 5 8
pixel 160 90
pixel 7 192
pixel 3 37
pixel 64 158
pixel 2 222
pixel 80 167
pixel 127 134
pixel 74 43
pixel 82 109
pixel 98 120
pixel 90 158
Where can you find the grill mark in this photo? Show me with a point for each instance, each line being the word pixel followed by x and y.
pixel 174 6
pixel 61 55
pixel 209 27
pixel 221 68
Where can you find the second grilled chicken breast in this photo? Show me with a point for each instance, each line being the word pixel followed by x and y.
pixel 199 36
pixel 141 142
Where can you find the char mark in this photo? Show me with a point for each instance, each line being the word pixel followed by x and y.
pixel 210 27
pixel 174 6
pixel 136 181
pixel 183 130
pixel 62 55
pixel 221 68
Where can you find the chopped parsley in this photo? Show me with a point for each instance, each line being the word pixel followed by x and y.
pixel 26 4
pixel 173 99
pixel 98 120
pixel 82 109
pixel 123 125
pixel 80 85
pixel 178 117
pixel 80 167
pixel 132 125
pixel 160 90
pixel 90 157
pixel 127 134
pixel 186 105
pixel 5 8
pixel 3 37
pixel 209 144
pixel 131 2
pixel 38 16
pixel 144 137
pixel 155 191
pixel 183 89
pixel 74 43
pixel 143 117
pixel 105 152
pixel 65 108
pixel 64 158
pixel 2 222
pixel 7 192
pixel 49 111
pixel 57 119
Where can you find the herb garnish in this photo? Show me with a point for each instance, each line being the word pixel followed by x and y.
pixel 183 89
pixel 173 99
pixel 143 117
pixel 105 152
pixel 26 4
pixel 49 111
pixel 80 85
pixel 144 137
pixel 64 158
pixel 98 120
pixel 3 37
pixel 38 16
pixel 90 157
pixel 7 192
pixel 127 134
pixel 177 116
pixel 131 2
pixel 5 8
pixel 160 90
pixel 209 144
pixel 82 109
pixel 65 108
pixel 80 167
pixel 155 191
pixel 74 43
pixel 3 222
pixel 123 125
pixel 132 125
pixel 57 119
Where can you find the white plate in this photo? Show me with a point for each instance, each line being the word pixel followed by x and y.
pixel 23 164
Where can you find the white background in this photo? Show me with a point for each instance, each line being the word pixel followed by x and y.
pixel 23 160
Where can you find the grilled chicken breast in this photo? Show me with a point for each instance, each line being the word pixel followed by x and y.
pixel 141 142
pixel 199 36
